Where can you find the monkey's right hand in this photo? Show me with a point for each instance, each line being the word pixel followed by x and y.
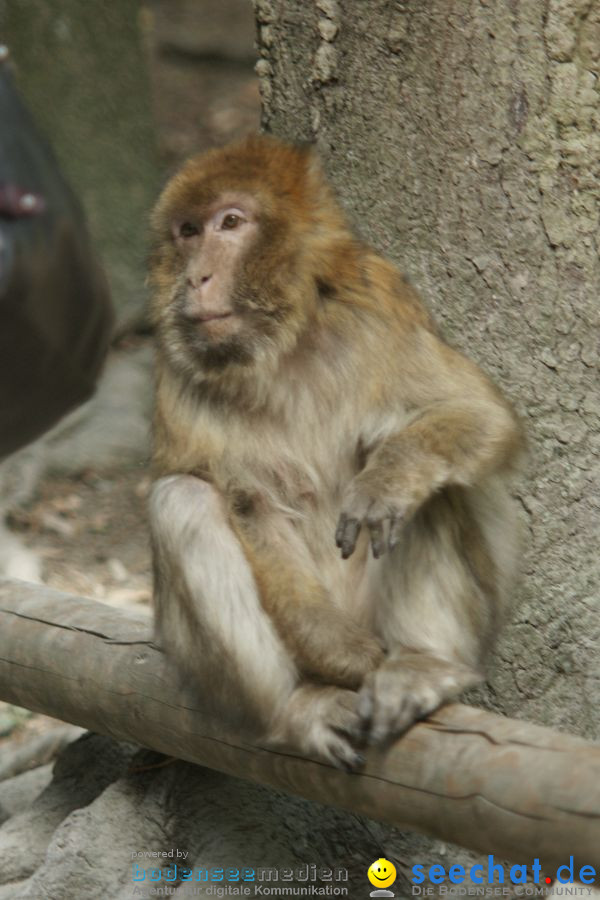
pixel 335 650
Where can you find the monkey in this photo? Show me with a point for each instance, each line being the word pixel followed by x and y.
pixel 334 539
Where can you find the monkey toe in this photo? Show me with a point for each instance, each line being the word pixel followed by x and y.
pixel 365 707
pixel 341 753
pixel 392 719
pixel 322 722
pixel 345 719
pixel 338 729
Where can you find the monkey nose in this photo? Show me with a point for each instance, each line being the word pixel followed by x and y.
pixel 196 283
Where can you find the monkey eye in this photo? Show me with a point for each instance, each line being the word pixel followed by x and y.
pixel 187 229
pixel 230 221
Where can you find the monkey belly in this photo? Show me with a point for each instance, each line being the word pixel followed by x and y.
pixel 353 584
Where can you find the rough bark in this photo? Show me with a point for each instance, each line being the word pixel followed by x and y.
pixel 465 775
pixel 84 78
pixel 464 140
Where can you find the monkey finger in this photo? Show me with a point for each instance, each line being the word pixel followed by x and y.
pixel 349 530
pixel 378 546
pixel 344 729
pixel 396 526
pixel 339 532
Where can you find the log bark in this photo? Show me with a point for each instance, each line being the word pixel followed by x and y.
pixel 468 776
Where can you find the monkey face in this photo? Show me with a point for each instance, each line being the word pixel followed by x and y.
pixel 241 236
pixel 201 317
pixel 207 309
pixel 224 302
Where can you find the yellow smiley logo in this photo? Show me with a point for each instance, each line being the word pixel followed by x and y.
pixel 382 873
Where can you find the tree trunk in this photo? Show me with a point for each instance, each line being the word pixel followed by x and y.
pixel 464 140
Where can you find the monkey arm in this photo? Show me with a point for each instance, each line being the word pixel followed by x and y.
pixel 323 640
pixel 461 431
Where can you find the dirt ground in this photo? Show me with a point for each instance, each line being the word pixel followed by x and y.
pixel 90 529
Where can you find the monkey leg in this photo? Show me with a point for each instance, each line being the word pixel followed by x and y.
pixel 207 611
pixel 210 620
pixel 438 610
pixel 325 642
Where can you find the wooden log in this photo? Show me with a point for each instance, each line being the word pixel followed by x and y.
pixel 468 776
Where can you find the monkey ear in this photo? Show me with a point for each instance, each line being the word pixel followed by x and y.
pixel 314 164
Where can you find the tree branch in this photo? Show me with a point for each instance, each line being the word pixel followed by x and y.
pixel 492 784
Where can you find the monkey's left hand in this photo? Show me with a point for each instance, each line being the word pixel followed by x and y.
pixel 401 474
pixel 372 500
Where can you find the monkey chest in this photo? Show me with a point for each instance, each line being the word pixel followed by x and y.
pixel 293 465
pixel 294 474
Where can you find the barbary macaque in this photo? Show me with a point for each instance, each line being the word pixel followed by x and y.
pixel 334 540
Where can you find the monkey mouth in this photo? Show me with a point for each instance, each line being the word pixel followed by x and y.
pixel 209 330
pixel 216 326
pixel 211 318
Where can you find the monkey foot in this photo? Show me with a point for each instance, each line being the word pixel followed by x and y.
pixel 406 689
pixel 322 722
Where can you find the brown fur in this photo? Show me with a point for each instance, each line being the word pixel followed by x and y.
pixel 338 405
